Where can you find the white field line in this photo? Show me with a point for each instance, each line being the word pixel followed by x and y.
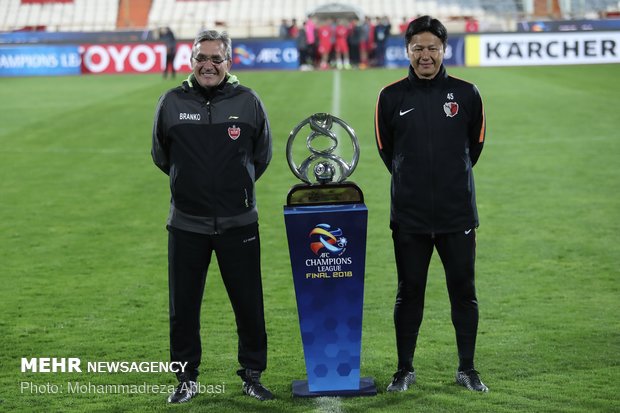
pixel 328 405
pixel 336 93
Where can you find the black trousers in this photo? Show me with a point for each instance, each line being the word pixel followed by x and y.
pixel 170 64
pixel 238 256
pixel 413 254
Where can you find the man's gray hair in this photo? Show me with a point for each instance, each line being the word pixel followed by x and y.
pixel 211 35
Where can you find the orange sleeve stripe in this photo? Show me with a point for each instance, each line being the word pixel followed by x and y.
pixel 484 121
pixel 377 134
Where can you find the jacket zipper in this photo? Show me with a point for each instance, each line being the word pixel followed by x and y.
pixel 208 106
pixel 429 102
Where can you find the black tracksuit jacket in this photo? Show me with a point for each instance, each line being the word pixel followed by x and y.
pixel 214 146
pixel 430 134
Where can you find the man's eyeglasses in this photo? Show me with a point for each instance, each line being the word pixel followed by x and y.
pixel 216 60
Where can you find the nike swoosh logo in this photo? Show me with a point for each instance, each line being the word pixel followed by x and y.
pixel 404 112
pixel 233 117
pixel 467 232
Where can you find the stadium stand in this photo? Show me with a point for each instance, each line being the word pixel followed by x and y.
pixel 58 15
pixel 250 18
pixel 261 18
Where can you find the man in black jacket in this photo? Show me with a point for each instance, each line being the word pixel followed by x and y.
pixel 212 137
pixel 430 128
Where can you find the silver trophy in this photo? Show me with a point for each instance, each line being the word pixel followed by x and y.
pixel 325 162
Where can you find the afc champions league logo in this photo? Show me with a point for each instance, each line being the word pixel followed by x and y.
pixel 327 240
pixel 324 161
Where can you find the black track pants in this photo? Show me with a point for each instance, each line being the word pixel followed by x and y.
pixel 413 254
pixel 238 256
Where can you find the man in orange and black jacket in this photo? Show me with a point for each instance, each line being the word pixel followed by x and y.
pixel 430 130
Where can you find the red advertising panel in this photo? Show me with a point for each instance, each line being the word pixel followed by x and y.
pixel 131 58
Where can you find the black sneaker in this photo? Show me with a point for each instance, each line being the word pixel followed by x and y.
pixel 402 380
pixel 184 392
pixel 470 379
pixel 252 385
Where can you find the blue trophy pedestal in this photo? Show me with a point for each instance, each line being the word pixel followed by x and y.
pixel 367 388
pixel 326 231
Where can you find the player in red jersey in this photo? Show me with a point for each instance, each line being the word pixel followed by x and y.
pixel 342 47
pixel 326 42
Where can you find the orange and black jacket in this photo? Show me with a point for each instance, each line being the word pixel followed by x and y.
pixel 430 134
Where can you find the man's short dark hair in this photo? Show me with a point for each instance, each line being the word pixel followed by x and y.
pixel 426 24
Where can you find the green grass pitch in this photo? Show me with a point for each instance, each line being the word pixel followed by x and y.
pixel 83 246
